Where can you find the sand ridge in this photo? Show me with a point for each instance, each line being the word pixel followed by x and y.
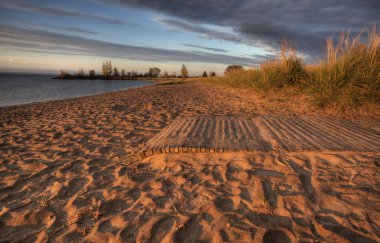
pixel 66 175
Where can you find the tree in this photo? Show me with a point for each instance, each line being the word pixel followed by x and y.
pixel 64 74
pixel 80 73
pixel 116 73
pixel 92 73
pixel 204 74
pixel 134 73
pixel 165 75
pixel 154 72
pixel 233 68
pixel 184 72
pixel 107 69
pixel 104 69
pixel 123 73
pixel 212 74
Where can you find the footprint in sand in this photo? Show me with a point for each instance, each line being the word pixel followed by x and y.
pixel 275 236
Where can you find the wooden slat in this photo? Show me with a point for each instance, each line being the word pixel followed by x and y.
pixel 229 133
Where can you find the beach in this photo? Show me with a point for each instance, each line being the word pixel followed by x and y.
pixel 70 172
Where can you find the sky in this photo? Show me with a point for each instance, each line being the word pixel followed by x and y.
pixel 45 36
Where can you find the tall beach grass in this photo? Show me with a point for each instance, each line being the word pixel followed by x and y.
pixel 286 69
pixel 349 77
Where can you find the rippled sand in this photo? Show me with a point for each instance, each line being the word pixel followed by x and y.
pixel 67 174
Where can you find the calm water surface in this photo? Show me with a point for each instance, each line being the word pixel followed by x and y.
pixel 23 89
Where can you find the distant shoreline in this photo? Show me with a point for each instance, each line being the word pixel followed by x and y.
pixel 103 78
pixel 135 78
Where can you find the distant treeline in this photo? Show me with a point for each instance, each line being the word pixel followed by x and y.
pixel 110 72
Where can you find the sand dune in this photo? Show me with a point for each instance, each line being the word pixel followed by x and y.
pixel 67 175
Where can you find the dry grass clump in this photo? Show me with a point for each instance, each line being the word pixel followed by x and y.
pixel 287 69
pixel 348 78
pixel 242 78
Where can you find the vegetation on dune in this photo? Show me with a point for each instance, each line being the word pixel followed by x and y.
pixel 287 69
pixel 348 78
pixel 351 74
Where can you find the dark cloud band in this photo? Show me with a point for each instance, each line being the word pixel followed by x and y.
pixel 306 23
pixel 205 48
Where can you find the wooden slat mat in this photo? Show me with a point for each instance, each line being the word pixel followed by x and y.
pixel 230 133
pixel 315 133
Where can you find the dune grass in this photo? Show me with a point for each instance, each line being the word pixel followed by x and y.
pixel 287 69
pixel 348 78
pixel 351 74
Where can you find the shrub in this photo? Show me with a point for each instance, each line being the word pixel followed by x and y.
pixel 233 68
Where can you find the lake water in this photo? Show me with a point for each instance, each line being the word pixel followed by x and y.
pixel 23 89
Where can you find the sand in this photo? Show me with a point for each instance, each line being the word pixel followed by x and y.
pixel 68 174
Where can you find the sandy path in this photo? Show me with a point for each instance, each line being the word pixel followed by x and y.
pixel 65 176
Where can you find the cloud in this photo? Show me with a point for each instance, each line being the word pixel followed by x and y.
pixel 80 31
pixel 203 32
pixel 264 57
pixel 66 29
pixel 44 41
pixel 306 23
pixel 205 48
pixel 60 11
